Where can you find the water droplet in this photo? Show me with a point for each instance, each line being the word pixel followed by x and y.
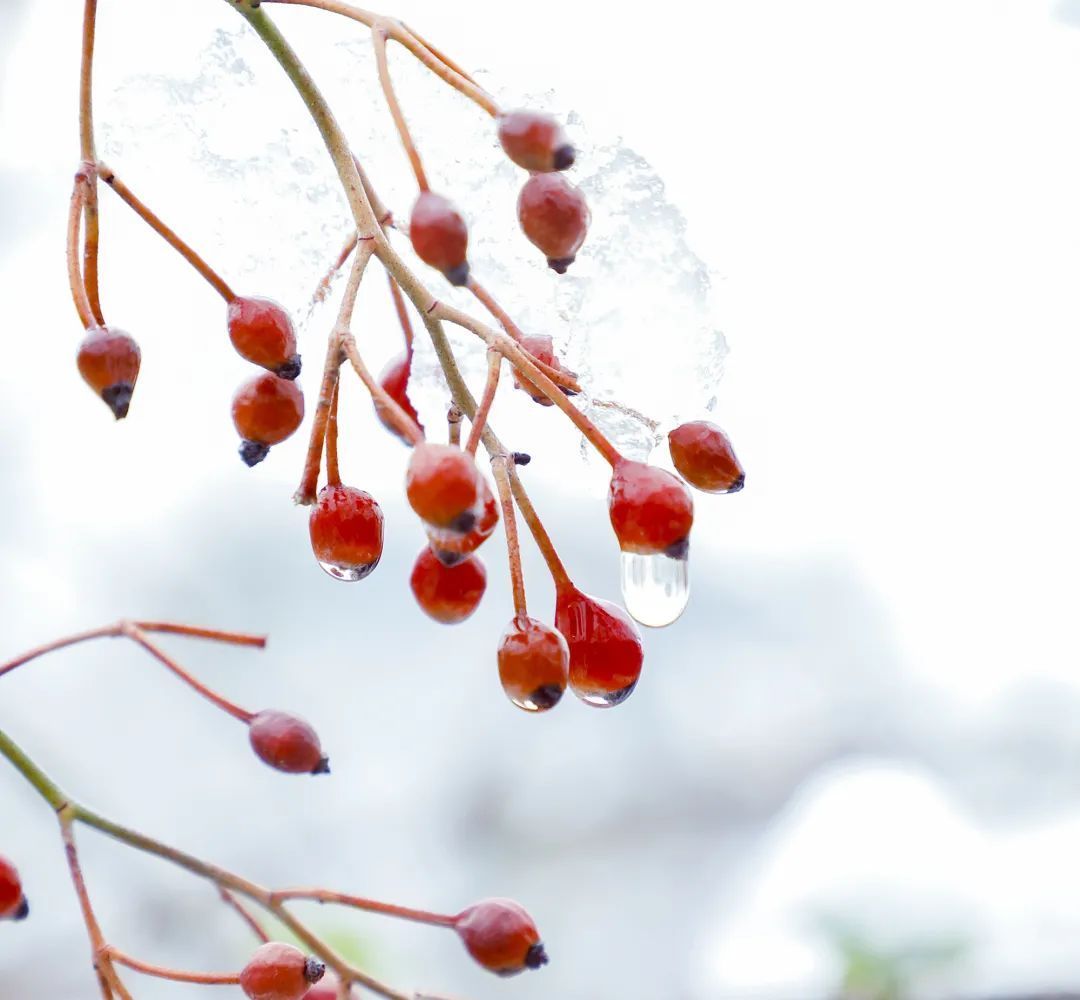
pixel 350 574
pixel 605 699
pixel 655 588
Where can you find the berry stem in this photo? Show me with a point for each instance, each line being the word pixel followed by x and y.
pixel 92 233
pixel 403 423
pixel 454 416
pixel 480 418
pixel 333 472
pixel 539 532
pixel 75 279
pixel 169 235
pixel 402 312
pixel 70 640
pixel 499 465
pixel 245 914
pixel 195 632
pixel 361 903
pixel 175 975
pixel 378 37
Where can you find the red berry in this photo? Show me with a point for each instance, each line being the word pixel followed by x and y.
pixel 263 334
pixel 534 664
pixel 395 380
pixel 287 743
pixel 449 594
pixel 265 412
pixel 108 361
pixel 605 649
pixel 452 546
pixel 346 527
pixel 542 348
pixel 279 971
pixel 439 236
pixel 651 510
pixel 501 936
pixel 555 218
pixel 704 457
pixel 327 988
pixel 535 141
pixel 443 486
pixel 13 904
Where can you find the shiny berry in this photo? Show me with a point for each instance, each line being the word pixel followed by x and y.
pixel 263 334
pixel 439 236
pixel 542 348
pixel 395 381
pixel 651 510
pixel 346 527
pixel 555 218
pixel 449 594
pixel 265 412
pixel 443 486
pixel 13 904
pixel 287 743
pixel 501 936
pixel 452 546
pixel 535 141
pixel 605 648
pixel 108 361
pixel 279 971
pixel 704 457
pixel 534 664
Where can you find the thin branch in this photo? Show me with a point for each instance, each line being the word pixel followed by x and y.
pixel 75 279
pixel 362 903
pixel 92 236
pixel 333 471
pixel 513 547
pixel 378 37
pixel 480 418
pixel 245 914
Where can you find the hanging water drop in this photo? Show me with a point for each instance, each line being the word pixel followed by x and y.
pixel 602 699
pixel 655 588
pixel 350 574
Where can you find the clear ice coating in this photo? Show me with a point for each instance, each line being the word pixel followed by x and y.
pixel 655 588
pixel 350 574
pixel 606 699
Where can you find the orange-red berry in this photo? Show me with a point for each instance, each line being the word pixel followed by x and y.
pixel 605 648
pixel 263 334
pixel 541 347
pixel 287 743
pixel 535 141
pixel 704 457
pixel 534 664
pixel 452 546
pixel 279 971
pixel 265 412
pixel 501 936
pixel 554 216
pixel 439 236
pixel 346 527
pixel 395 380
pixel 651 510
pixel 13 904
pixel 327 988
pixel 108 361
pixel 443 486
pixel 449 594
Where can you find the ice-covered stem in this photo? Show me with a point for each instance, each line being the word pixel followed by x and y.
pixel 480 418
pixel 500 465
pixel 88 154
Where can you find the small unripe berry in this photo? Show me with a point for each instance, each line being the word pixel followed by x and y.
pixel 287 743
pixel 13 904
pixel 542 348
pixel 452 546
pixel 346 528
pixel 263 334
pixel 439 236
pixel 704 457
pixel 442 484
pixel 501 936
pixel 265 412
pixel 605 648
pixel 535 141
pixel 651 510
pixel 108 361
pixel 534 664
pixel 554 216
pixel 449 594
pixel 279 971
pixel 395 380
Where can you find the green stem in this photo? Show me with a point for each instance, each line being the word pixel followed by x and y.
pixel 42 783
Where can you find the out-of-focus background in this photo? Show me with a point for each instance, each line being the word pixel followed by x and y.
pixel 852 769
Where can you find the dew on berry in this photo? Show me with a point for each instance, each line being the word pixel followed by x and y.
pixel 262 333
pixel 534 664
pixel 443 486
pixel 346 529
pixel 452 546
pixel 13 904
pixel 605 649
pixel 108 360
pixel 655 587
pixel 278 971
pixel 554 216
pixel 651 510
pixel 449 594
pixel 395 381
pixel 704 457
pixel 501 936
pixel 287 743
pixel 439 236
pixel 541 347
pixel 535 141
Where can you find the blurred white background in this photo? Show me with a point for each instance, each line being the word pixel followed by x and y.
pixel 852 767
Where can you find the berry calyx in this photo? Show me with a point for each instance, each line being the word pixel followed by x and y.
pixel 704 457
pixel 442 484
pixel 554 216
pixel 534 664
pixel 541 347
pixel 501 936
pixel 440 237
pixel 108 361
pixel 395 381
pixel 346 528
pixel 265 412
pixel 13 904
pixel 451 547
pixel 287 744
pixel 535 141
pixel 449 594
pixel 278 971
pixel 605 648
pixel 263 334
pixel 651 510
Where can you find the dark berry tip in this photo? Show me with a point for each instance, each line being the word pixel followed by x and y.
pixel 521 458
pixel 536 957
pixel 547 696
pixel 290 369
pixel 252 452
pixel 464 523
pixel 118 398
pixel 448 558
pixel 314 970
pixel 560 264
pixel 564 157
pixel 323 767
pixel 23 911
pixel 458 275
pixel 738 484
pixel 679 549
pixel 566 390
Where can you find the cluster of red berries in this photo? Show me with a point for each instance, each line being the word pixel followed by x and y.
pixel 13 903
